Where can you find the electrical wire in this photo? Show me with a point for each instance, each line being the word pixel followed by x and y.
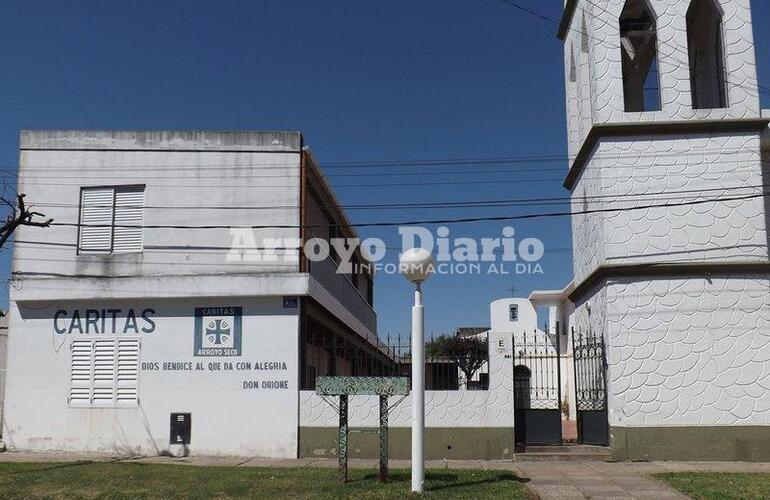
pixel 417 222
pixel 378 164
pixel 542 17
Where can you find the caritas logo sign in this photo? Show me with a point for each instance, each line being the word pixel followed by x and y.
pixel 218 331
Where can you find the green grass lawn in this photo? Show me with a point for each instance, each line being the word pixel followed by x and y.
pixel 708 485
pixel 142 480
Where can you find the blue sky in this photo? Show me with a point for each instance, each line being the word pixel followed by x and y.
pixel 363 80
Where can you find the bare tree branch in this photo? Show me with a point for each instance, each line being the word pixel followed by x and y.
pixel 19 215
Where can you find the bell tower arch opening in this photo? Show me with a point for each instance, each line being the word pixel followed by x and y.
pixel 639 57
pixel 706 53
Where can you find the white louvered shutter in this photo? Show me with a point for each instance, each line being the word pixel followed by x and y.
pixel 129 211
pixel 96 220
pixel 81 372
pixel 127 386
pixel 104 372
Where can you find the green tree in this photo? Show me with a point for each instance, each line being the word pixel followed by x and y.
pixel 469 353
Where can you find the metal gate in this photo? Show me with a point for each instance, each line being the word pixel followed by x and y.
pixel 537 388
pixel 590 387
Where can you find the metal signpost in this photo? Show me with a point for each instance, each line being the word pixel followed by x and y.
pixel 362 386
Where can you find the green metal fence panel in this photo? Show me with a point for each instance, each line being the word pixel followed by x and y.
pixel 362 386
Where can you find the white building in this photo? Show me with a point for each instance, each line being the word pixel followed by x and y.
pixel 663 111
pixel 131 314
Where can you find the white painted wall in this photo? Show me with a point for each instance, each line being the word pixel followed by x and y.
pixel 444 409
pixel 697 167
pixel 184 172
pixel 178 270
pixel 689 352
pixel 681 351
pixel 676 347
pixel 180 169
pixel 500 319
pixel 226 418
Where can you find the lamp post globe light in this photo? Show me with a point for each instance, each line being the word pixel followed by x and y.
pixel 416 265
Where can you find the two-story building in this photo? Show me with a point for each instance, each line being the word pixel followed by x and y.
pixel 171 305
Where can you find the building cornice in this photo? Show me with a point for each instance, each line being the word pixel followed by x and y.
pixel 654 128
pixel 215 141
pixel 566 19
pixel 673 270
pixel 48 287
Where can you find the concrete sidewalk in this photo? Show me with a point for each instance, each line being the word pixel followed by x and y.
pixel 561 480
pixel 547 480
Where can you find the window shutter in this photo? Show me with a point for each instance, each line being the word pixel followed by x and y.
pixel 127 387
pixel 104 372
pixel 129 211
pixel 96 220
pixel 81 372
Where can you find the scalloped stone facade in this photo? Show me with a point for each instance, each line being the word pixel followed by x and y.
pixel 596 97
pixel 683 351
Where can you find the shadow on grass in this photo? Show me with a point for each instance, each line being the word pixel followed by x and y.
pixel 451 479
pixel 66 465
pixel 35 470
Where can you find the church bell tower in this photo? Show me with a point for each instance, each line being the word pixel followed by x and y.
pixel 670 239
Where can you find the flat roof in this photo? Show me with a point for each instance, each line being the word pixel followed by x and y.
pixel 162 140
pixel 546 295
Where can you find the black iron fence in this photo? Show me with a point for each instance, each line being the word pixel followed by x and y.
pixel 450 364
pixel 591 386
pixel 537 387
pixel 537 370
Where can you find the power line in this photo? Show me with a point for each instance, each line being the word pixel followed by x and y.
pixel 273 186
pixel 240 264
pixel 543 17
pixel 76 170
pixel 714 71
pixel 290 176
pixel 642 177
pixel 376 164
pixel 438 204
pixel 418 222
pixel 615 168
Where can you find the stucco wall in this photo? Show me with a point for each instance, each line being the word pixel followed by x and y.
pixel 181 169
pixel 227 419
pixel 684 353
pixel 587 228
pixel 443 409
pixel 689 351
pixel 698 167
pixel 674 171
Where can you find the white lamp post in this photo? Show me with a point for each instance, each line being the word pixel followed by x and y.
pixel 416 265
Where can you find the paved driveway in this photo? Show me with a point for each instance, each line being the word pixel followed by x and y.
pixel 562 480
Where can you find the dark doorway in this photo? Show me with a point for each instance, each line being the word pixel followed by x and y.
pixel 521 401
